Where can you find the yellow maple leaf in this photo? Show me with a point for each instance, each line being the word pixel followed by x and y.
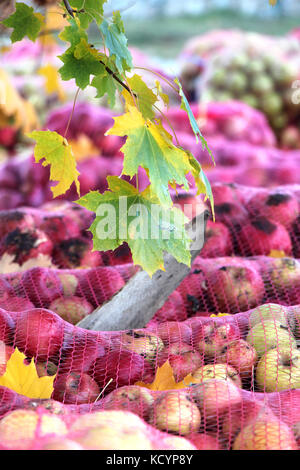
pixel 83 148
pixel 277 254
pixel 220 315
pixel 272 2
pixel 164 380
pixel 54 150
pixel 24 379
pixel 12 105
pixel 52 82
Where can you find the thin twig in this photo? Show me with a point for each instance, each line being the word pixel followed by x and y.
pixel 108 70
pixel 72 112
pixel 68 8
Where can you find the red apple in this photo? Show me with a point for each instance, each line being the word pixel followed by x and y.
pixel 99 285
pixel 173 332
pixel 71 309
pixel 123 367
pixel 261 236
pixel 75 388
pixel 42 286
pixel 241 355
pixel 204 441
pixel 217 240
pixel 235 288
pixel 5 353
pixel 7 327
pixel 39 333
pixel 278 205
pixel 211 338
pixel 26 244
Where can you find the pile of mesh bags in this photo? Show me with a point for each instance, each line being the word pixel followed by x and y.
pixel 187 380
pixel 261 71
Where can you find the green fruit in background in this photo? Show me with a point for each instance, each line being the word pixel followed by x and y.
pixel 270 334
pixel 219 78
pixel 279 370
pixel 262 84
pixel 251 100
pixel 271 104
pixel 282 74
pixel 255 67
pixel 279 122
pixel 236 81
pixel 268 312
pixel 240 61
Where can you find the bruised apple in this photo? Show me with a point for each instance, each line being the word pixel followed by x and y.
pixel 133 398
pixel 175 412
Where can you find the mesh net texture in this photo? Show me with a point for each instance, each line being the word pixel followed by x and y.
pixel 239 372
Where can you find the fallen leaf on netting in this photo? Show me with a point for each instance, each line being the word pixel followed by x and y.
pixel 83 148
pixel 220 315
pixel 52 82
pixel 24 379
pixel 7 264
pixel 272 2
pixel 164 380
pixel 277 254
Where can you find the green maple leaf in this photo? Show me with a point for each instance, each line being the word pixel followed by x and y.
pixel 73 33
pixel 149 229
pixel 144 96
pixel 104 83
pixel 149 145
pixel 25 23
pixel 56 152
pixel 116 42
pixel 195 128
pixel 80 62
pixel 93 10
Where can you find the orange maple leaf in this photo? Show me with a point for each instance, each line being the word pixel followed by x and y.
pixel 164 380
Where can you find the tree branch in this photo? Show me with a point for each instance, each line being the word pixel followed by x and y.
pixel 139 300
pixel 68 8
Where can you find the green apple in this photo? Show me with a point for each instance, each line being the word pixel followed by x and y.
pixel 255 67
pixel 237 82
pixel 270 334
pixel 295 320
pixel 279 369
pixel 271 104
pixel 265 432
pixel 217 371
pixel 285 276
pixel 262 84
pixel 250 100
pixel 268 312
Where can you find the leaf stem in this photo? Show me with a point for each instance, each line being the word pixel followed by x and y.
pixel 159 75
pixel 72 112
pixel 169 122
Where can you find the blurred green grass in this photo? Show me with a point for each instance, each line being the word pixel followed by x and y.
pixel 165 36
